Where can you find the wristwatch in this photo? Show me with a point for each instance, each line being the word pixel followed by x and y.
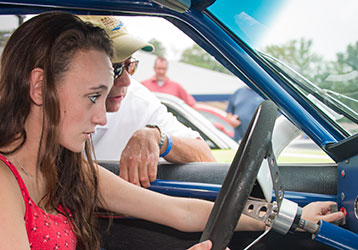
pixel 162 134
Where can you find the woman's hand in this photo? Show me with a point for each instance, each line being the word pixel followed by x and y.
pixel 205 245
pixel 316 211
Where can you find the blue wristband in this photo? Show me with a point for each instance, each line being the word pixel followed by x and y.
pixel 170 144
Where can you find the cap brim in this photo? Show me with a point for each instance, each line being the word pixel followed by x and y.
pixel 126 45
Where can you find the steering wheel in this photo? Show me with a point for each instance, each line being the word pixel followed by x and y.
pixel 241 177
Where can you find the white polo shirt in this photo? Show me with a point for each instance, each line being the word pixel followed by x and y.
pixel 139 108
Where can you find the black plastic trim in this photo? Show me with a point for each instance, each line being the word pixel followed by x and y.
pixel 344 149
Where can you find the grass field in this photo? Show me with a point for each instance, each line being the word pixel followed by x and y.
pixel 289 155
pixel 304 156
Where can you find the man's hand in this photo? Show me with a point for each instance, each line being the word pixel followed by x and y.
pixel 139 159
pixel 233 120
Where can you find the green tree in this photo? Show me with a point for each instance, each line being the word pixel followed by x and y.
pixel 348 61
pixel 298 54
pixel 199 57
pixel 4 35
pixel 340 76
pixel 159 49
pixel 344 77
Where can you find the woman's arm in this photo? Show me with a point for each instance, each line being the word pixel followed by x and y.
pixel 184 214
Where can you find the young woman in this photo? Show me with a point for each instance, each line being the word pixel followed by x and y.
pixel 55 75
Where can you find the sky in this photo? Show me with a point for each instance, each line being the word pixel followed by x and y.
pixel 333 27
pixel 8 22
pixel 162 30
pixel 331 24
pixel 142 27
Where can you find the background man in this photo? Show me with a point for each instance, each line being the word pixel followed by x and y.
pixel 139 129
pixel 241 108
pixel 161 83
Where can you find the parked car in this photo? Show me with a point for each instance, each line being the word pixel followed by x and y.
pixel 229 31
pixel 193 119
pixel 224 148
pixel 217 117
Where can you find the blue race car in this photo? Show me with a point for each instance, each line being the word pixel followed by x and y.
pixel 323 107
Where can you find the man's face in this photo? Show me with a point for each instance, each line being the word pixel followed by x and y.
pixel 160 69
pixel 119 89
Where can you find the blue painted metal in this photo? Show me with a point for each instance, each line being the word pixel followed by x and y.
pixel 210 191
pixel 303 199
pixel 186 189
pixel 210 98
pixel 336 237
pixel 348 190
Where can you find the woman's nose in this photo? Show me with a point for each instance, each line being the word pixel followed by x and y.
pixel 100 118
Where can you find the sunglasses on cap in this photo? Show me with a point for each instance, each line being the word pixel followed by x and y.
pixel 130 65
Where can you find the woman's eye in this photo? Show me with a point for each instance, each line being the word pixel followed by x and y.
pixel 93 98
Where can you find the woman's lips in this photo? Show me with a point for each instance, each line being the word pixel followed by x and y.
pixel 87 135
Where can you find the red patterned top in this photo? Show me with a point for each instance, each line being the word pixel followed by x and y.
pixel 45 231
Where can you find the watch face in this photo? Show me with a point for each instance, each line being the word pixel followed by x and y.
pixel 162 134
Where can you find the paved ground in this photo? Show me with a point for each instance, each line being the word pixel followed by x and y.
pixel 299 151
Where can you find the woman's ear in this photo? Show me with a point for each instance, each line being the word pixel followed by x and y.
pixel 36 80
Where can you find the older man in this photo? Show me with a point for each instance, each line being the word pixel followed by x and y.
pixel 160 82
pixel 139 129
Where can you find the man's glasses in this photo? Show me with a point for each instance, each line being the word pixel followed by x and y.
pixel 130 65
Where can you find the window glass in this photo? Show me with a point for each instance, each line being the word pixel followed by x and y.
pixel 316 39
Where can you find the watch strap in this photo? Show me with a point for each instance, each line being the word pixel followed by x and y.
pixel 161 132
pixel 170 144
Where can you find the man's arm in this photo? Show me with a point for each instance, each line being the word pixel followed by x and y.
pixel 184 95
pixel 139 159
pixel 186 150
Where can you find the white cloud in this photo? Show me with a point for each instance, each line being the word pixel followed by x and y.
pixel 331 24
pixel 152 27
pixel 8 22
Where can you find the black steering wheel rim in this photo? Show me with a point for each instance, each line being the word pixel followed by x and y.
pixel 241 177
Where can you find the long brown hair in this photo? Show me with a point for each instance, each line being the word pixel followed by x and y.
pixel 49 41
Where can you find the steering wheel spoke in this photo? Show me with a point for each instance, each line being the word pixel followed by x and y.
pixel 275 176
pixel 261 210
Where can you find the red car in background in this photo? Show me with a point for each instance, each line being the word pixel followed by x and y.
pixel 215 116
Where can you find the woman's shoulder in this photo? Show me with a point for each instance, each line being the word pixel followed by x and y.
pixel 12 209
pixel 6 174
pixel 10 191
pixel 7 178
